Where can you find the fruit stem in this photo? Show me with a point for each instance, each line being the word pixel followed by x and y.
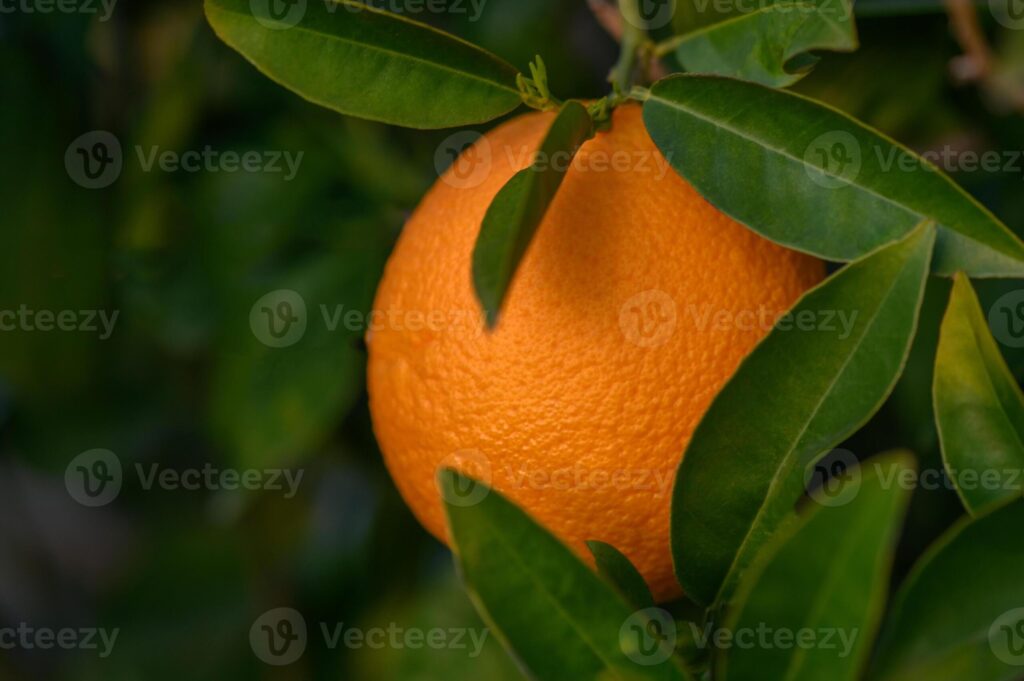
pixel 634 38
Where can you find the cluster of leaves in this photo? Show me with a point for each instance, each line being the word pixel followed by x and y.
pixel 815 180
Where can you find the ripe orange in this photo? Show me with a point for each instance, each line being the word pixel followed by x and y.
pixel 633 306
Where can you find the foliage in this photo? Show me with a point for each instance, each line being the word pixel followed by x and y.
pixel 809 177
pixel 772 524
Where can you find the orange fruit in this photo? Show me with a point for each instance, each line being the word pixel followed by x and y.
pixel 632 307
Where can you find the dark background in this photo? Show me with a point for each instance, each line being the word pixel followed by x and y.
pixel 184 382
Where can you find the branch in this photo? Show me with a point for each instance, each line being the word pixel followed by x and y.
pixel 636 47
pixel 979 63
pixel 976 62
pixel 607 14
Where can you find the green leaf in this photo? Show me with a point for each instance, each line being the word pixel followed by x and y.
pixel 798 394
pixel 368 63
pixel 617 569
pixel 840 556
pixel 979 408
pixel 518 209
pixel 960 613
pixel 760 46
pixel 558 618
pixel 812 178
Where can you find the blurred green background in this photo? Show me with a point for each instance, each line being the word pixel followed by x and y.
pixel 184 382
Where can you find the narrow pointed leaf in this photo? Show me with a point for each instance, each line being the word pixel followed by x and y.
pixel 368 63
pixel 812 178
pixel 798 394
pixel 979 407
pixel 557 617
pixel 520 206
pixel 960 613
pixel 617 569
pixel 840 556
pixel 760 45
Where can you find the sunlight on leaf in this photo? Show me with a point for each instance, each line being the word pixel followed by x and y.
pixel 979 407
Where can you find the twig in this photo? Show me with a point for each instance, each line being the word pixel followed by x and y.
pixel 638 53
pixel 976 62
pixel 607 14
pixel 979 63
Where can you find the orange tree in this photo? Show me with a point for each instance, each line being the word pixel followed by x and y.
pixel 782 544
